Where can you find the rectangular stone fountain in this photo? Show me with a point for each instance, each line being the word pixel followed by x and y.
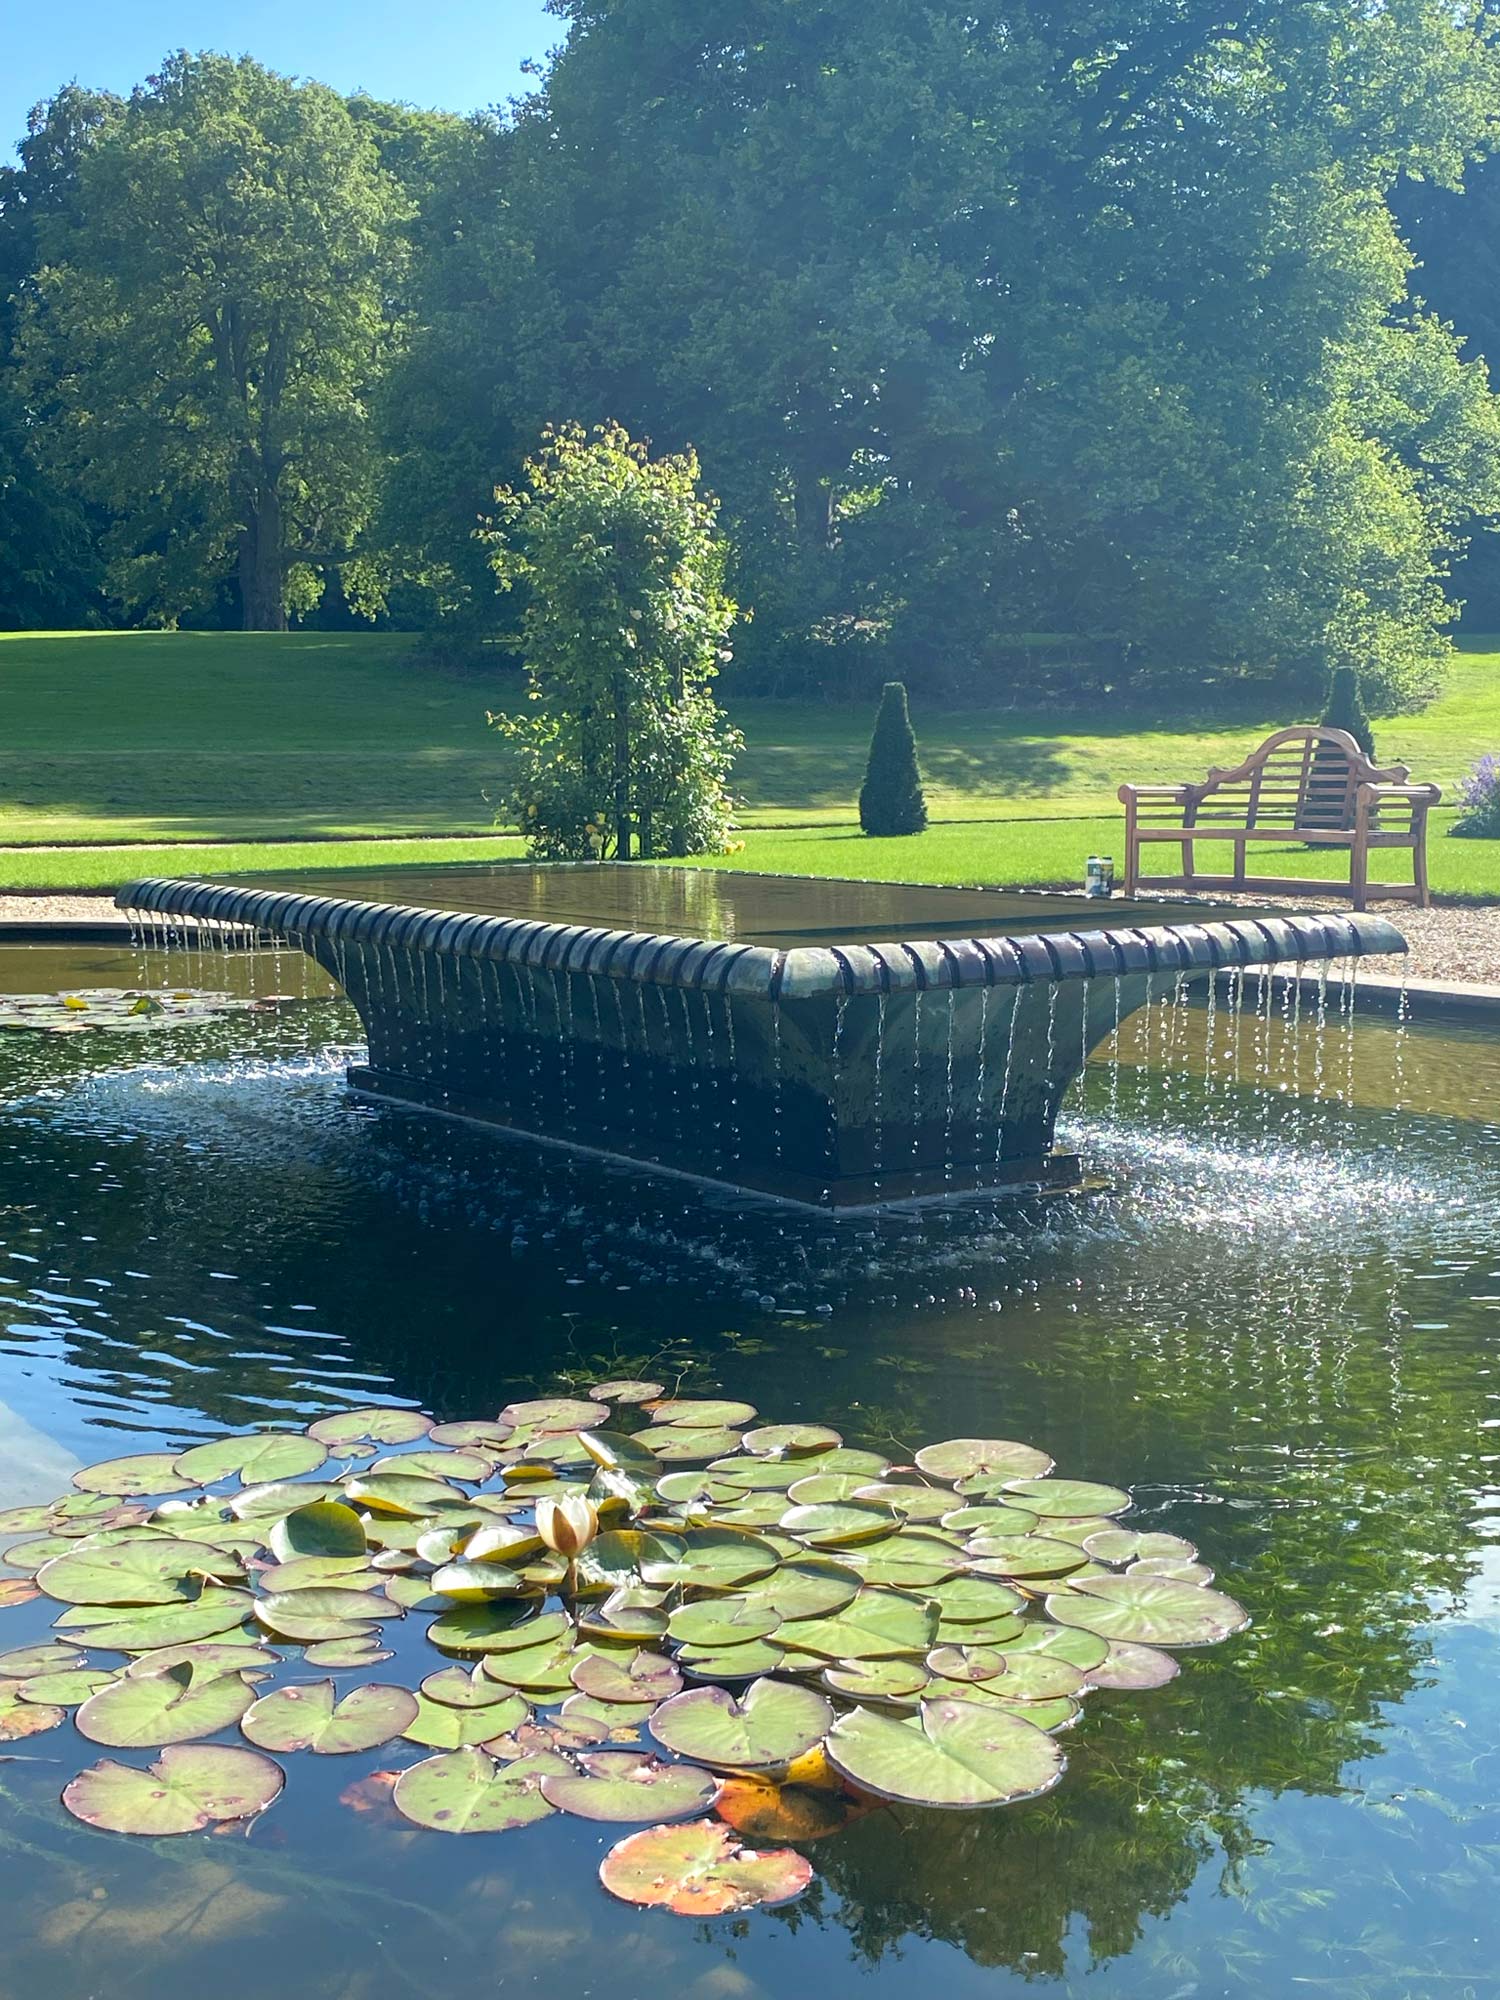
pixel 830 1042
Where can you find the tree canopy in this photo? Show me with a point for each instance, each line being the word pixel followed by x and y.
pixel 997 328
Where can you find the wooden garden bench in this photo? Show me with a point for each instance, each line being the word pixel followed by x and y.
pixel 1303 784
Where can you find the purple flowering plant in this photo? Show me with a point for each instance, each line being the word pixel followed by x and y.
pixel 1480 794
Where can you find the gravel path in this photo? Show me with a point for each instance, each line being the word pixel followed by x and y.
pixel 1453 941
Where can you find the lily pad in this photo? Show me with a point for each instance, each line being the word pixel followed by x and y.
pixel 223 1656
pixel 1180 1572
pixel 731 1663
pixel 326 1528
pixel 307 1717
pixel 626 1391
pixel 772 1723
pixel 324 1613
pixel 912 1503
pixel 321 1573
pixel 1063 1642
pixel 629 1785
pixel 441 1726
pixel 20 1718
pixel 1025 1555
pixel 127 1629
pixel 472 1467
pixel 982 1458
pixel 169 1705
pixel 467 1583
pixel 362 1650
pixel 411 1496
pixel 877 1680
pixel 187 1788
pixel 467 1791
pixel 544 1669
pixel 723 1621
pixel 1130 1666
pixel 1122 1545
pixel 701 1413
pixel 65 1689
pixel 1149 1611
pixel 640 1677
pixel 46 1657
pixel 874 1625
pixel 708 1558
pixel 791 1440
pixel 495 1627
pixel 903 1562
pixel 139 1473
pixel 377 1426
pixel 551 1414
pixel 264 1455
pixel 1068 1496
pixel 701 1871
pixel 951 1753
pixel 809 1589
pixel 681 1444
pixel 454 1688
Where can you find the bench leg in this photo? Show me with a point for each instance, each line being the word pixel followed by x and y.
pixel 1239 864
pixel 1187 863
pixel 1419 870
pixel 1359 874
pixel 1132 861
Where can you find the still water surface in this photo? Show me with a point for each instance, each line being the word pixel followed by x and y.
pixel 1276 1321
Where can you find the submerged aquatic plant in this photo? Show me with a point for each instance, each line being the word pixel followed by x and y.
pixel 800 1628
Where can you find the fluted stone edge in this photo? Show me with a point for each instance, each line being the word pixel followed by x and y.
pixel 756 970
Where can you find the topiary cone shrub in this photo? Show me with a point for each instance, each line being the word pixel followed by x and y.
pixel 1345 709
pixel 891 799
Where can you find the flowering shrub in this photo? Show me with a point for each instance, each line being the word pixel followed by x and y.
pixel 1480 793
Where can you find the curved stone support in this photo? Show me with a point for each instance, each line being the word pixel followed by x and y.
pixel 838 1073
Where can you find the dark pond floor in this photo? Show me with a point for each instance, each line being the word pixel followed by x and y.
pixel 1277 1321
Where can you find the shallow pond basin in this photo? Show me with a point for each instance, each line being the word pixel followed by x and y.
pixel 1274 1318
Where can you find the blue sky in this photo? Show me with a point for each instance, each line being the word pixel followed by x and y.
pixel 459 54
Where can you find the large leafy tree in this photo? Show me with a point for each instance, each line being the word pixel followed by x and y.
pixel 209 317
pixel 989 319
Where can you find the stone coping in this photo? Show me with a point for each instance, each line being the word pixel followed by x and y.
pixel 758 971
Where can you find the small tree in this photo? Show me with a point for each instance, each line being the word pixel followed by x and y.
pixel 891 799
pixel 624 625
pixel 1345 709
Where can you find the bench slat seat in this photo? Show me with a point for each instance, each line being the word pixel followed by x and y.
pixel 1308 785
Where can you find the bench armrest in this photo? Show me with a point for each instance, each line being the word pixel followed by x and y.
pixel 1371 798
pixel 1169 794
pixel 1417 795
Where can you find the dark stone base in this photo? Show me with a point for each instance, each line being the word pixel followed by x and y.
pixel 1051 1172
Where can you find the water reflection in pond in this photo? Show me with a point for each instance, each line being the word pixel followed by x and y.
pixel 1286 1350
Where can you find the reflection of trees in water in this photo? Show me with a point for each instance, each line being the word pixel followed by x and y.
pixel 1255 1379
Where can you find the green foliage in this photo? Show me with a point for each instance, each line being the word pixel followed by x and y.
pixel 891 799
pixel 624 623
pixel 1345 709
pixel 207 315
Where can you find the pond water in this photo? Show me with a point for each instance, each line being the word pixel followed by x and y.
pixel 1275 1318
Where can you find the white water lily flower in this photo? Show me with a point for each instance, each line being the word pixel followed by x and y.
pixel 567 1526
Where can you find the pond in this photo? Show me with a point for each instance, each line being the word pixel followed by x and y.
pixel 1273 1317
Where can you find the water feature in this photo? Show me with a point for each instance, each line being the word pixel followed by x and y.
pixel 856 1064
pixel 1285 1350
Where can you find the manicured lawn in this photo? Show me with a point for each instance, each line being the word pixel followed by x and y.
pixel 244 738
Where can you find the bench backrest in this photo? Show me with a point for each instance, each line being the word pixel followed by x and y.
pixel 1301 777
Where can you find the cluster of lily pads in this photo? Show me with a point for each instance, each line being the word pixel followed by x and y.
pixel 800 1629
pixel 131 1011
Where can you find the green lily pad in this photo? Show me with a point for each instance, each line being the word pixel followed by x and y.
pixel 454 1688
pixel 726 1621
pixel 307 1717
pixel 485 1434
pixel 1063 1642
pixel 370 1427
pixel 750 1475
pixel 629 1785
pixel 681 1444
pixel 974 1600
pixel 171 1705
pixel 951 1753
pixel 544 1669
pixel 875 1624
pixel 771 1724
pixel 877 1680
pixel 991 1517
pixel 277 1497
pixel 1025 1555
pixel 264 1455
pixel 29 1556
pixel 469 1582
pixel 834 1527
pixel 441 1726
pixel 126 1629
pixel 30 1520
pixel 610 1721
pixel 912 1503
pixel 500 1542
pixel 903 1561
pixel 364 1650
pixel 494 1627
pixel 1068 1496
pixel 826 1489
pixel 410 1496
pixel 791 1440
pixel 65 1689
pixel 708 1558
pixel 310 1616
pixel 46 1657
pixel 636 1678
pixel 471 1467
pixel 703 1413
pixel 550 1414
pixel 187 1788
pixel 1131 1666
pixel 626 1391
pixel 223 1656
pixel 327 1528
pixel 701 1870
pixel 320 1573
pixel 1179 1572
pixel 731 1663
pixel 1149 1611
pixel 467 1791
pixel 142 1472
pixel 982 1458
pixel 20 1718
pixel 966 1663
pixel 808 1589
pixel 1122 1545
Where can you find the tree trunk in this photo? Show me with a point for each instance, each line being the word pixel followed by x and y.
pixel 262 606
pixel 622 769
